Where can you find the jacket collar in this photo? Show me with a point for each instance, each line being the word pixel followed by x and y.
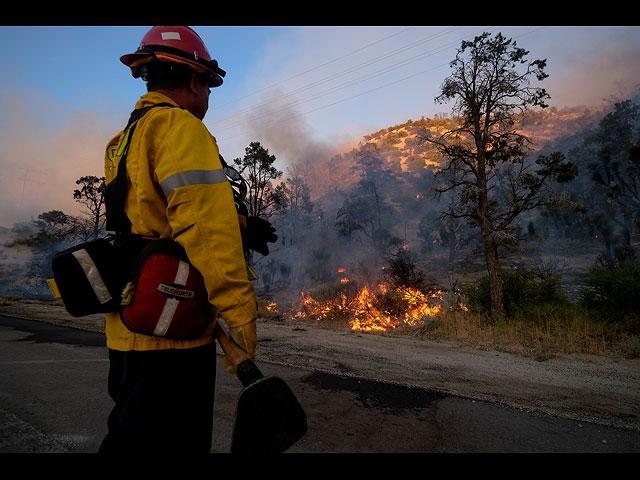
pixel 151 98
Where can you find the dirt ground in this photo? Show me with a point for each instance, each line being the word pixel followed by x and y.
pixel 596 389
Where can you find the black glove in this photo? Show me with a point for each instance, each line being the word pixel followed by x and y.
pixel 258 233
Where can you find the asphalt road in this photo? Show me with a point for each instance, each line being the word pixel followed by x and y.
pixel 53 399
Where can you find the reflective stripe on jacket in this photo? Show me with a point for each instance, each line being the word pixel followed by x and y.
pixel 177 189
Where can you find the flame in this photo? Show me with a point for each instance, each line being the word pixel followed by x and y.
pixel 272 307
pixel 343 280
pixel 379 308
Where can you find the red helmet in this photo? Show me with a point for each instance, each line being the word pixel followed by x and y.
pixel 174 44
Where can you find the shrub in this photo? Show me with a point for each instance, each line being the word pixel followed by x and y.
pixel 612 292
pixel 525 294
pixel 402 271
pixel 630 346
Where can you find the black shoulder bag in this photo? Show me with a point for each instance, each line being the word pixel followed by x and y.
pixel 89 276
pixel 151 282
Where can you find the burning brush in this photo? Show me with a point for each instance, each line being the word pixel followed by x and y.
pixel 368 308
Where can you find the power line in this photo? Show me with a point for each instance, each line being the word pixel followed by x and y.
pixel 400 64
pixel 316 67
pixel 230 118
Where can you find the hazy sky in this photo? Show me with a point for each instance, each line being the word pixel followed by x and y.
pixel 297 90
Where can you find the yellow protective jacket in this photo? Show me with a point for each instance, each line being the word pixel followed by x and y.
pixel 177 189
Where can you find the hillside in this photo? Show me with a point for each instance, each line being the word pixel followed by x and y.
pixel 400 148
pixel 399 144
pixel 379 195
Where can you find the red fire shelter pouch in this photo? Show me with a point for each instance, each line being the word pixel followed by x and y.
pixel 165 295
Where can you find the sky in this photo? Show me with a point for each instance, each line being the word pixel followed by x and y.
pixel 303 92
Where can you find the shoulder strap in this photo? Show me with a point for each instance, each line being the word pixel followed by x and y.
pixel 115 193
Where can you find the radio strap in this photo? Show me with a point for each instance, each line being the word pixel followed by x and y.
pixel 115 193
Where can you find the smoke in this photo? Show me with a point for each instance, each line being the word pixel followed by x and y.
pixel 44 148
pixel 591 79
pixel 281 128
pixel 306 253
pixel 314 253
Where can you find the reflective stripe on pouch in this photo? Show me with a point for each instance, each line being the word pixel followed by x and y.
pixel 171 304
pixel 93 275
pixel 192 177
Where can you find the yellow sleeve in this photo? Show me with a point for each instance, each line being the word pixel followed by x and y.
pixel 203 217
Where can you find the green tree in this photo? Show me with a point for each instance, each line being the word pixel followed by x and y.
pixel 486 158
pixel 368 208
pixel 257 167
pixel 376 181
pixel 355 215
pixel 615 166
pixel 53 227
pixel 294 209
pixel 91 195
pixel 56 231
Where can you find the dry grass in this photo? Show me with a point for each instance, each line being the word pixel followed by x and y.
pixel 11 299
pixel 541 340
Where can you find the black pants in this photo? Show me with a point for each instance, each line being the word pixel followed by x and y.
pixel 163 401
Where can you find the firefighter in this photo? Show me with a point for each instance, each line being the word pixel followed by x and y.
pixel 163 388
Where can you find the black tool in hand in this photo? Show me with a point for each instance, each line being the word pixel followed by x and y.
pixel 269 418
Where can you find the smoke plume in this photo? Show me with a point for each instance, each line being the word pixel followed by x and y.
pixel 42 160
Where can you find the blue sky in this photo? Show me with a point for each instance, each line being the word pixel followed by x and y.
pixel 300 91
